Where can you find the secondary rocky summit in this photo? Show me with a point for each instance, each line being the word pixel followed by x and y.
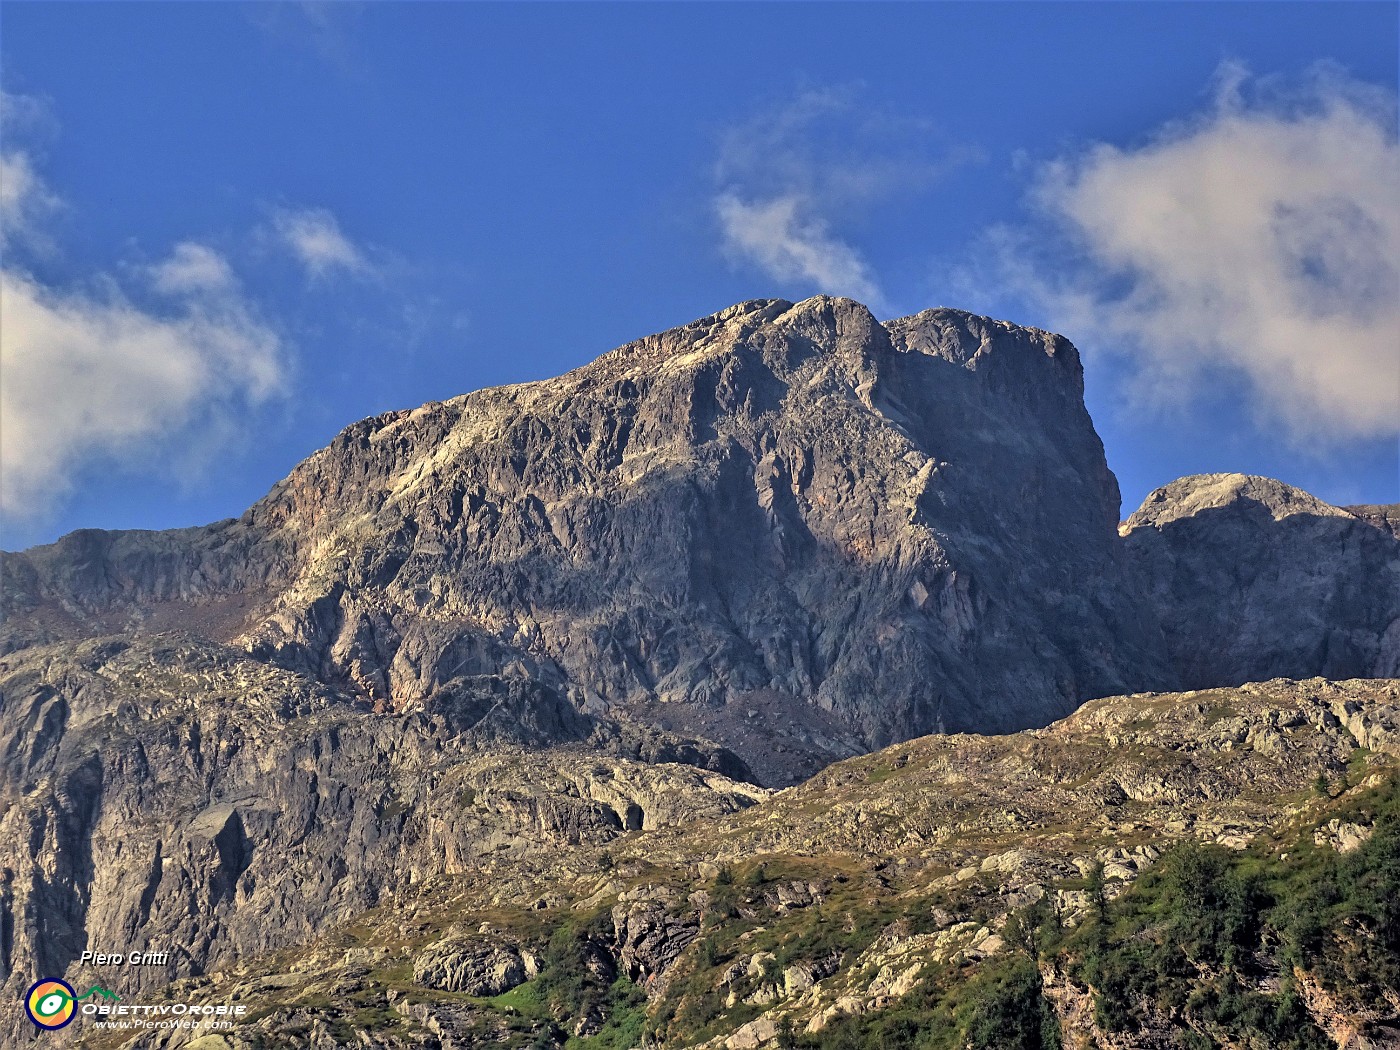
pixel 1253 579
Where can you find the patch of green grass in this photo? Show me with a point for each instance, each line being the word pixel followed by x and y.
pixel 1357 764
pixel 880 773
pixel 372 1017
pixel 525 1000
pixel 626 1012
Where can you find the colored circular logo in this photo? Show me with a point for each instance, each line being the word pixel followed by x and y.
pixel 51 1003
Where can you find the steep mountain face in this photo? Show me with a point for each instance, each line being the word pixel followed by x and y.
pixel 857 532
pixel 1254 579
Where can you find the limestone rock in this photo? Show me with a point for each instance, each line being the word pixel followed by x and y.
pixel 1253 579
pixel 474 964
pixel 1342 835
pixel 858 532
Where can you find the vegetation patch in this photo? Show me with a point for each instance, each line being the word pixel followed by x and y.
pixel 1216 942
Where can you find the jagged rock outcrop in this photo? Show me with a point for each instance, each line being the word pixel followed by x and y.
pixel 909 526
pixel 650 937
pixel 886 883
pixel 1254 579
pixel 474 964
pixel 172 795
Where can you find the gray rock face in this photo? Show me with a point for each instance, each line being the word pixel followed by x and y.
pixel 92 582
pixel 908 526
pixel 1253 579
pixel 649 938
pixel 178 796
pixel 1384 516
pixel 475 964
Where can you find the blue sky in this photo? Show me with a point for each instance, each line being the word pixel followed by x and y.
pixel 230 230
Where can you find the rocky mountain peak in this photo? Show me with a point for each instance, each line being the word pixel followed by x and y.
pixel 857 531
pixel 965 338
pixel 1252 578
pixel 1199 493
pixel 786 527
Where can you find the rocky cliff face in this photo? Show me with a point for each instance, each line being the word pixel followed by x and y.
pixel 1252 579
pixel 177 796
pixel 1384 516
pixel 858 532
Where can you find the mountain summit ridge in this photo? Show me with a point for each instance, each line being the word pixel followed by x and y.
pixel 859 532
pixel 781 500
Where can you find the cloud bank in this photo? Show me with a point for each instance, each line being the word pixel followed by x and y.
pixel 24 199
pixel 88 376
pixel 1260 240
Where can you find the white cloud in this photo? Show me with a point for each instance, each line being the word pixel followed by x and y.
pixel 795 248
pixel 192 267
pixel 90 377
pixel 84 378
pixel 315 238
pixel 787 177
pixel 1261 238
pixel 24 198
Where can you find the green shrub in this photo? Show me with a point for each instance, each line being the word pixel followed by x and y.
pixel 1198 932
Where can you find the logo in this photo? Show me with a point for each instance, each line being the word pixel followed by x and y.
pixel 51 1003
